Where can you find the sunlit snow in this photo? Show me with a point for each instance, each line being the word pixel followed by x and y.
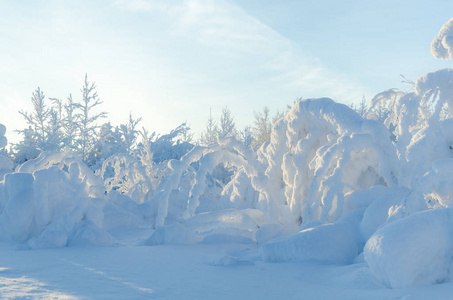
pixel 335 206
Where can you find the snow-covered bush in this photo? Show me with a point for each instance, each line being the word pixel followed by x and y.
pixel 54 200
pixel 319 152
pixel 413 244
pixel 171 145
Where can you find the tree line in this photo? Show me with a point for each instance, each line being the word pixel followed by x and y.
pixel 77 126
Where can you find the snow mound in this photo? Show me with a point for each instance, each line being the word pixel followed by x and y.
pixel 52 204
pixel 219 226
pixel 442 45
pixel 337 243
pixel 17 217
pixel 416 250
pixel 377 213
pixel 272 231
pixel 437 184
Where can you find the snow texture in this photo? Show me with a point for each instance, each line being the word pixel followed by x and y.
pixel 417 250
pixel 336 243
pixel 54 205
pixel 442 45
pixel 223 226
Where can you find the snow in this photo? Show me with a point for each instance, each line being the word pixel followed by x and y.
pixel 226 271
pixel 336 243
pixel 52 207
pixel 416 250
pixel 334 205
pixel 224 226
pixel 442 45
pixel 377 213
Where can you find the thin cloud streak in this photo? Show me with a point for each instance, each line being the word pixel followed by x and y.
pixel 235 35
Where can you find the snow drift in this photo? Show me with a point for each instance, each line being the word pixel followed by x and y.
pixel 416 250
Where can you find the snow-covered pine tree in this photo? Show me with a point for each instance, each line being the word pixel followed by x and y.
pixel 227 125
pixel 37 121
pixel 247 136
pixel 212 131
pixel 54 128
pixel 186 135
pixel 86 119
pixel 362 110
pixel 69 124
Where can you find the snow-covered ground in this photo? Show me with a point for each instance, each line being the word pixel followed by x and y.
pixel 218 271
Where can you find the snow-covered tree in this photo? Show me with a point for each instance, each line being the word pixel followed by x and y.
pixel 212 131
pixel 247 136
pixel 37 121
pixel 45 128
pixel 262 127
pixel 186 135
pixel 69 124
pixel 27 148
pixel 86 118
pixel 55 136
pixel 362 109
pixel 278 115
pixel 380 112
pixel 227 125
pixel 169 146
pixel 109 142
pixel 129 132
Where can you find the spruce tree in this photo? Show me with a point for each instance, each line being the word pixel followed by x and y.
pixel 86 119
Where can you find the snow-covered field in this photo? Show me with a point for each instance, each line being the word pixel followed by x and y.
pixel 335 206
pixel 219 271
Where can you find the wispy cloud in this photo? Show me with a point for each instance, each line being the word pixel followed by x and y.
pixel 234 35
pixel 172 60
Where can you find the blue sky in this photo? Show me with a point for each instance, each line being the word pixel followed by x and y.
pixel 171 61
